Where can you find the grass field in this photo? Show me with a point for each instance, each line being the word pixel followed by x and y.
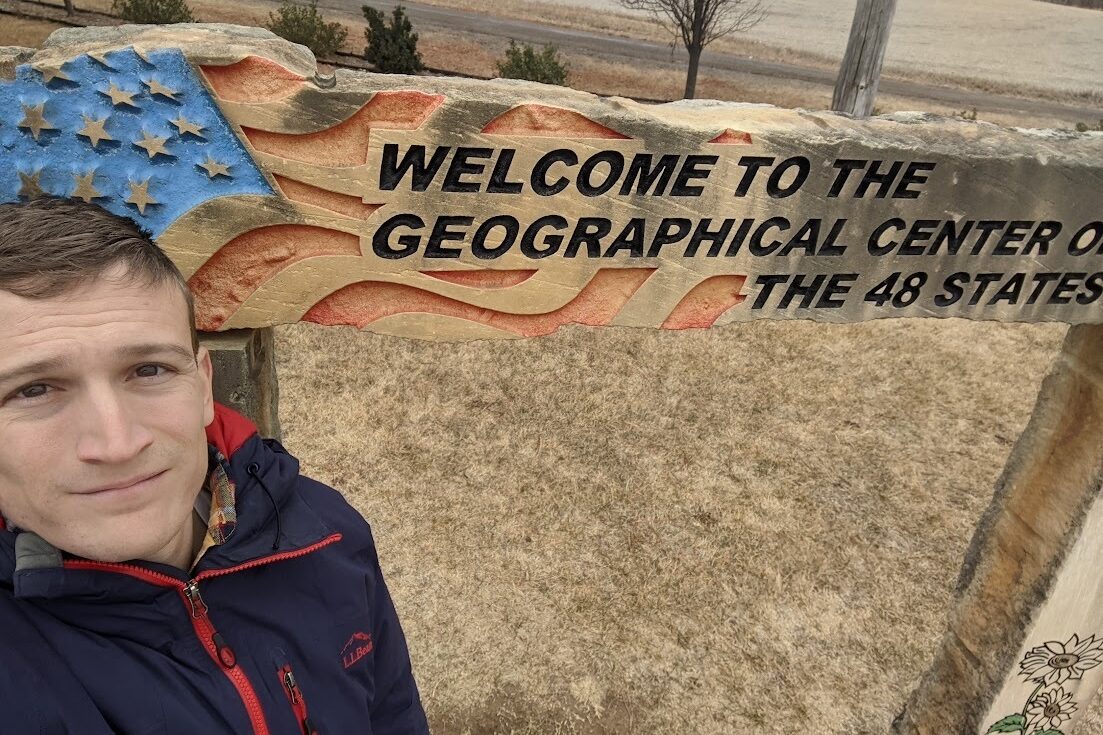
pixel 753 529
pixel 23 32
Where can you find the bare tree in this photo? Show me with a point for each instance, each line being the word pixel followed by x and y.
pixel 697 23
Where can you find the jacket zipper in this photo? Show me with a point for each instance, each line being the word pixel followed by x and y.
pixel 221 653
pixel 213 642
pixel 298 702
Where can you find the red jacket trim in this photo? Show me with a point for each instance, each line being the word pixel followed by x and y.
pixel 229 430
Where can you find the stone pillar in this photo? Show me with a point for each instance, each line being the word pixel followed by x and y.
pixel 1025 639
pixel 245 374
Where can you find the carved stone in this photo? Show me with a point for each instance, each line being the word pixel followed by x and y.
pixel 1031 577
pixel 459 209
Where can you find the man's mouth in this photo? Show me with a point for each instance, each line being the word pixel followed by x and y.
pixel 133 483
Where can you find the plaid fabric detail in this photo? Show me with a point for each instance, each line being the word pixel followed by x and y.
pixel 223 519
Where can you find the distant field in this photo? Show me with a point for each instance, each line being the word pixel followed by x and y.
pixel 22 32
pixel 1039 44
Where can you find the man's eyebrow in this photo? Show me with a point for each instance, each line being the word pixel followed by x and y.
pixel 33 368
pixel 130 351
pixel 156 348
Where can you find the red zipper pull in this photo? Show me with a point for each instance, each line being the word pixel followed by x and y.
pixel 226 655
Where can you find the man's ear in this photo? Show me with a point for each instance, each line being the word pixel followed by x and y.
pixel 206 373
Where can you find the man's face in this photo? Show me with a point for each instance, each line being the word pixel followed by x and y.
pixel 102 411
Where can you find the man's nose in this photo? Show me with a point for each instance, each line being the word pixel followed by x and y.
pixel 111 430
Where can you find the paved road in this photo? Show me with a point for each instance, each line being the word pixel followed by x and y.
pixel 428 16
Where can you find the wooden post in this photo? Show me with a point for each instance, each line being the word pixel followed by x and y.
pixel 856 87
pixel 245 375
pixel 1025 639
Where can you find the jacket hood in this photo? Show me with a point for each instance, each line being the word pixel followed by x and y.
pixel 271 518
pixel 229 430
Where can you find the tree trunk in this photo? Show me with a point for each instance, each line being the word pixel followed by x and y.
pixel 691 73
pixel 69 9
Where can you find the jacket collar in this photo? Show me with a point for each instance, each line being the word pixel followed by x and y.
pixel 229 430
pixel 272 520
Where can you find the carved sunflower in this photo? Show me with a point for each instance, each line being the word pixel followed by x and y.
pixel 1049 710
pixel 1056 662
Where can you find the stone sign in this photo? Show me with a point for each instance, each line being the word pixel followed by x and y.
pixel 454 209
pixel 458 209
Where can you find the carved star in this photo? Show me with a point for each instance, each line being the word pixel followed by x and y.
pixel 100 57
pixel 50 73
pixel 152 145
pixel 120 96
pixel 214 169
pixel 139 196
pixel 183 125
pixel 156 87
pixel 94 130
pixel 35 120
pixel 29 186
pixel 85 189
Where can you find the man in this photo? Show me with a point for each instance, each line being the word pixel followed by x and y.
pixel 162 568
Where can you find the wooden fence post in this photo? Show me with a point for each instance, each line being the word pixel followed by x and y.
pixel 856 86
pixel 245 375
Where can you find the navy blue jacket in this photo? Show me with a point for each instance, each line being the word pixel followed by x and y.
pixel 300 639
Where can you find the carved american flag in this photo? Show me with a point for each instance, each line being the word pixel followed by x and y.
pixel 184 151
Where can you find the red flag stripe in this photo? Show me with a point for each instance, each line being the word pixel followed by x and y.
pixel 346 144
pixel 253 79
pixel 706 302
pixel 243 265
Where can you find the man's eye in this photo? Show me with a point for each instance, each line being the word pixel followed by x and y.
pixel 150 371
pixel 32 391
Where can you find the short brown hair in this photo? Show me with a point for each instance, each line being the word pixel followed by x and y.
pixel 49 246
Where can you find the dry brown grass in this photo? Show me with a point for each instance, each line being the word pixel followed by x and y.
pixel 16 31
pixel 753 529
